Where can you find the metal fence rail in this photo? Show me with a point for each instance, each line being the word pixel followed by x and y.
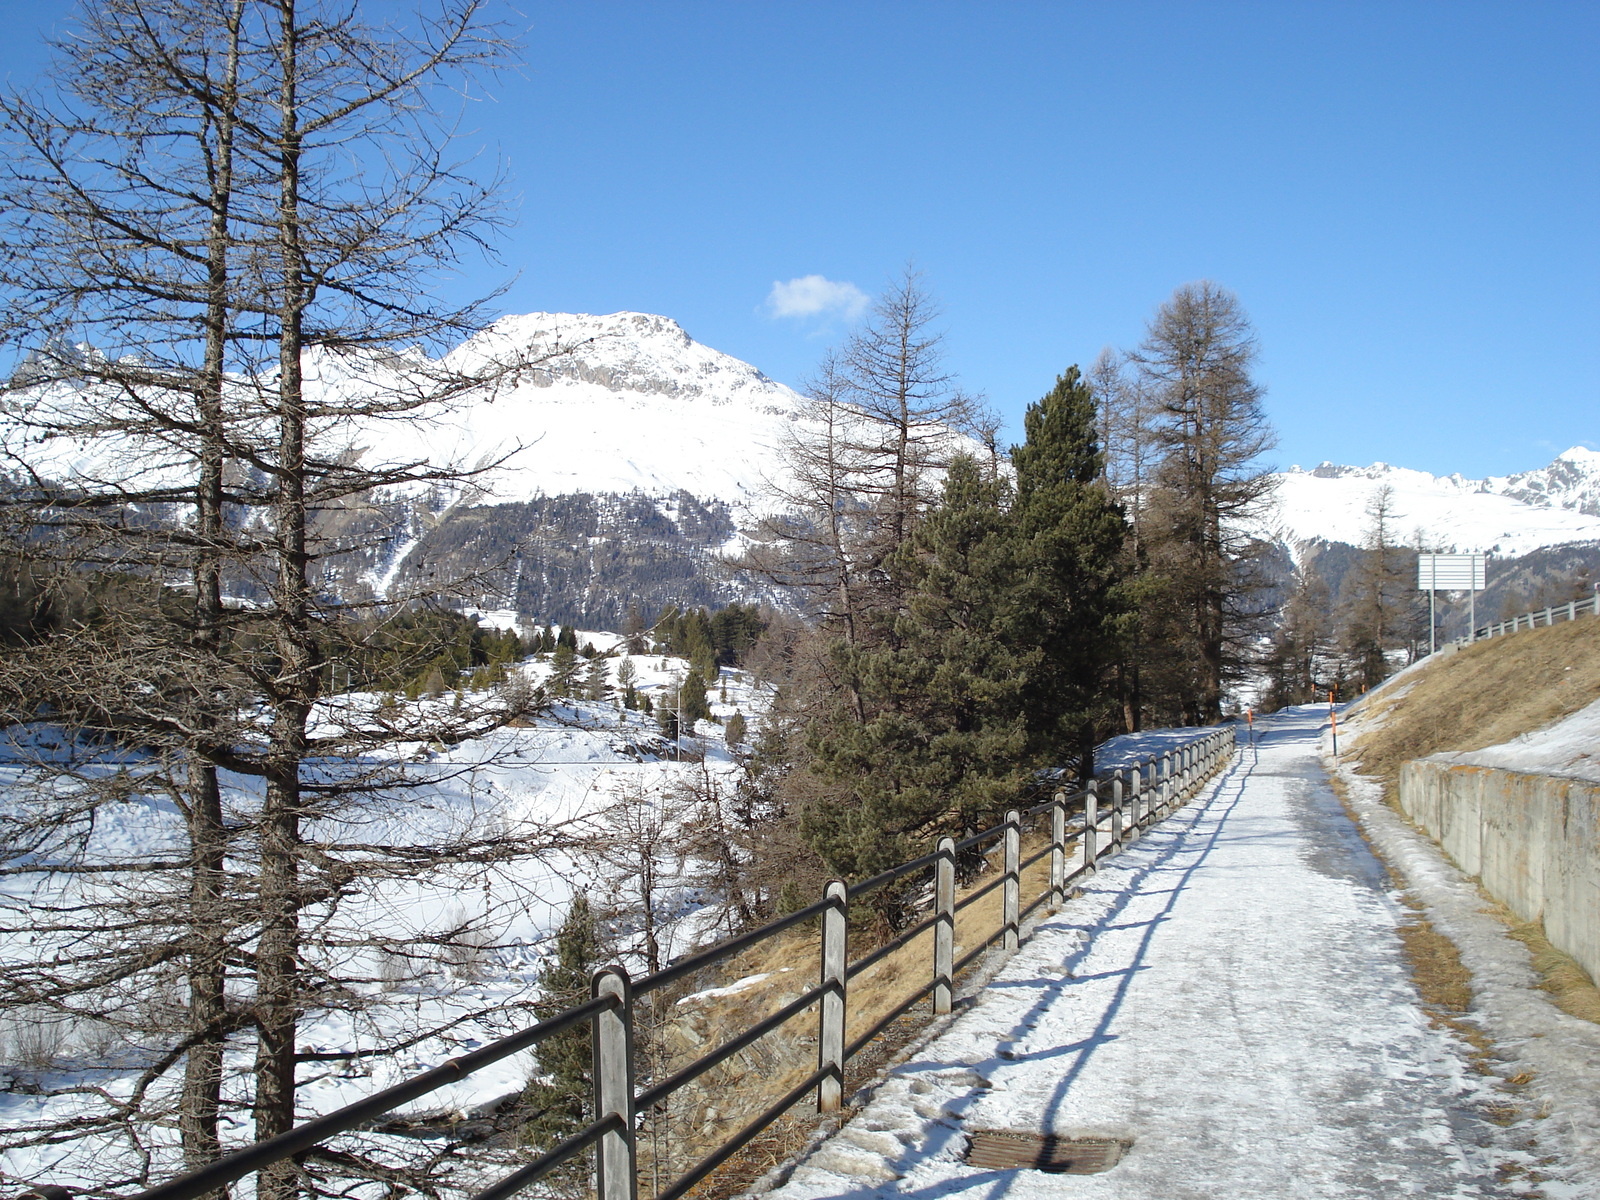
pixel 1137 796
pixel 1570 611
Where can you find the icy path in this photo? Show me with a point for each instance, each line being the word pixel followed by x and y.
pixel 1228 996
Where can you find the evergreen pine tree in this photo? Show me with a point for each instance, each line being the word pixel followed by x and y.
pixel 692 700
pixel 564 676
pixel 734 731
pixel 596 680
pixel 1071 537
pixel 557 1101
pixel 944 742
pixel 666 717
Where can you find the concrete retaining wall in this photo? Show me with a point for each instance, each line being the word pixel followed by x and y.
pixel 1533 841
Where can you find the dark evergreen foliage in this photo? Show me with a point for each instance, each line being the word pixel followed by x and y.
pixel 943 744
pixel 1070 566
pixel 564 676
pixel 403 650
pixel 557 1101
pixel 710 640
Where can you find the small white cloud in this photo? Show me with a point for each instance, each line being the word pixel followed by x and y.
pixel 816 296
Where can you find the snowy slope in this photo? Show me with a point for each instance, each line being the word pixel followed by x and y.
pixel 1504 516
pixel 574 770
pixel 1570 747
pixel 636 405
pixel 632 403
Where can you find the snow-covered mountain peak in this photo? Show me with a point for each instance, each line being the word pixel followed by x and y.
pixel 626 402
pixel 628 351
pixel 1503 515
pixel 1572 481
pixel 1329 470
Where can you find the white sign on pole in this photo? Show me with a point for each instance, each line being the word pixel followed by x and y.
pixel 1450 572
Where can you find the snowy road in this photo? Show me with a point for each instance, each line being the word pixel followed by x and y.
pixel 1228 998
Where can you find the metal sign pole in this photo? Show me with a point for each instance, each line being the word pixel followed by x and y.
pixel 1433 590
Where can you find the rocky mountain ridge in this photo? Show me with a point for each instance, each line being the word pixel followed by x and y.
pixel 634 459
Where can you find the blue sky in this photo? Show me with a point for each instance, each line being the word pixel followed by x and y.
pixel 1405 196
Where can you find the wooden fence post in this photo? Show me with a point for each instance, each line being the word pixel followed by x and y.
pixel 1116 812
pixel 944 932
pixel 1013 885
pixel 1058 851
pixel 1091 818
pixel 616 1171
pixel 830 1026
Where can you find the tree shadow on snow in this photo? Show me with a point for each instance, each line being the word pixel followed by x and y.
pixel 1177 847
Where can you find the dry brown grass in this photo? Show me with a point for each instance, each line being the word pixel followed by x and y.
pixel 791 964
pixel 1569 984
pixel 1483 695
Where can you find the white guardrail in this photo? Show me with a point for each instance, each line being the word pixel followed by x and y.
pixel 1570 611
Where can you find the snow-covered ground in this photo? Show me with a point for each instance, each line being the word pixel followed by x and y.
pixel 595 775
pixel 1128 748
pixel 1570 747
pixel 1228 997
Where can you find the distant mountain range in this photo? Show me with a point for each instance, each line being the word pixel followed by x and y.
pixel 1505 516
pixel 640 455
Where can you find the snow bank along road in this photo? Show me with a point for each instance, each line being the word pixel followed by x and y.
pixel 1228 999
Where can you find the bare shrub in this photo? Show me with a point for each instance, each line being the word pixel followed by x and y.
pixel 466 955
pixel 37 1037
pixel 394 969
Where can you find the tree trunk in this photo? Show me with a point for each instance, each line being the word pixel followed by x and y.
pixel 294 689
pixel 208 838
